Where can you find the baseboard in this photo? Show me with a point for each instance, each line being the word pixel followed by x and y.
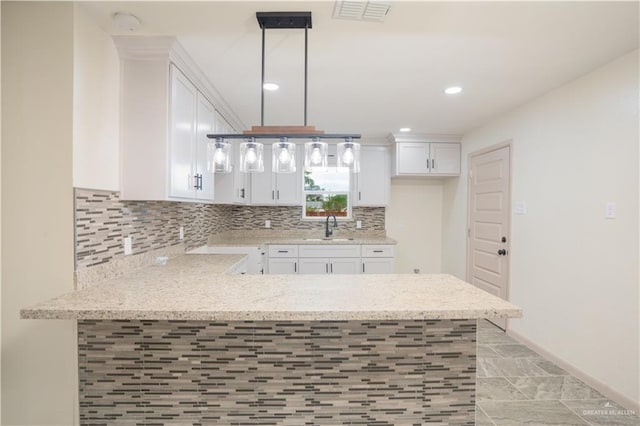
pixel 603 388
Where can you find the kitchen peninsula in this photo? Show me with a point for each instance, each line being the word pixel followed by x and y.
pixel 186 343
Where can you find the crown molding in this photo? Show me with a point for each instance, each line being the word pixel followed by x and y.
pixel 425 138
pixel 167 48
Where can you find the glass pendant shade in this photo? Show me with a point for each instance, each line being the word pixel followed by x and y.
pixel 284 156
pixel 251 156
pixel 219 156
pixel 349 155
pixel 315 155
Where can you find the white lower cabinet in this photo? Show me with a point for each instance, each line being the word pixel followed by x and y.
pixel 378 265
pixel 378 259
pixel 283 265
pixel 320 265
pixel 331 259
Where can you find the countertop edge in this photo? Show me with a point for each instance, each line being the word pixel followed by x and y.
pixel 48 314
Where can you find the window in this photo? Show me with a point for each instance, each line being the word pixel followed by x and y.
pixel 327 193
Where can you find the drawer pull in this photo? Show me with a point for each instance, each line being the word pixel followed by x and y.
pixel 377 251
pixel 283 251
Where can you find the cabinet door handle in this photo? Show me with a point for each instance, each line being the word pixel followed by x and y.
pixel 326 268
pixel 273 194
pixel 433 163
pixel 278 194
pixel 195 177
pixel 359 195
pixel 363 267
pixel 332 268
pixel 200 182
pixel 295 266
pixel 242 193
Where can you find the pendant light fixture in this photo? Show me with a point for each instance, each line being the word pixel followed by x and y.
pixel 284 156
pixel 218 155
pixel 284 151
pixel 251 156
pixel 315 155
pixel 349 155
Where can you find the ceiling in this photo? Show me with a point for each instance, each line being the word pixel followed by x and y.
pixel 375 77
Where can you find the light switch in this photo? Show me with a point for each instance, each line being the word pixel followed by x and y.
pixel 267 224
pixel 358 224
pixel 128 245
pixel 610 210
pixel 181 232
pixel 520 207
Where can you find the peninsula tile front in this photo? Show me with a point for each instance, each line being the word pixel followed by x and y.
pixel 408 372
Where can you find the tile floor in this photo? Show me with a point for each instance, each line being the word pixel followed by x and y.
pixel 516 386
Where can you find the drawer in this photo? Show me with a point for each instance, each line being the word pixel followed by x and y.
pixel 329 250
pixel 283 250
pixel 373 250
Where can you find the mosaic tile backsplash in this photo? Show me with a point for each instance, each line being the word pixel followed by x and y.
pixel 290 218
pixel 277 373
pixel 102 220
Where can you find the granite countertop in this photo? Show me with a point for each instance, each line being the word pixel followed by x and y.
pixel 263 237
pixel 196 287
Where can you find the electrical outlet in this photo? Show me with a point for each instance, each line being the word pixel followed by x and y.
pixel 128 245
pixel 358 224
pixel 610 210
pixel 267 224
pixel 181 231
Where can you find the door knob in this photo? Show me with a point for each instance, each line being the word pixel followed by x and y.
pixel 502 252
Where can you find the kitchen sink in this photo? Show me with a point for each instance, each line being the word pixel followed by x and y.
pixel 327 239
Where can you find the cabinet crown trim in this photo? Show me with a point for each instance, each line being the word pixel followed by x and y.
pixel 424 138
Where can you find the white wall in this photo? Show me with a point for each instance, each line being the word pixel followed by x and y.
pixel 96 90
pixel 414 219
pixel 39 373
pixel 574 273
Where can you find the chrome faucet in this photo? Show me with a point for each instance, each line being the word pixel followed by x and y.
pixel 329 232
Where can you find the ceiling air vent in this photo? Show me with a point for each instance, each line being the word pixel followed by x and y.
pixel 362 10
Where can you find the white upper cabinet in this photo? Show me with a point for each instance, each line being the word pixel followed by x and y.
pixel 182 140
pixel 373 184
pixel 192 118
pixel 165 115
pixel 425 156
pixel 269 188
pixel 445 158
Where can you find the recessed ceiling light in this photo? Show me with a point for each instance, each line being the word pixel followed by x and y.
pixel 270 86
pixel 405 129
pixel 453 90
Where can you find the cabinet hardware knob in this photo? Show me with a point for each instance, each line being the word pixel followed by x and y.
pixel 502 252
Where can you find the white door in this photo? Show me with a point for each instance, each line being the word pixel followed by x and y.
pixel 262 184
pixel 445 158
pixel 377 265
pixel 314 265
pixel 205 124
pixel 373 182
pixel 283 266
pixel 344 265
pixel 183 134
pixel 413 158
pixel 489 225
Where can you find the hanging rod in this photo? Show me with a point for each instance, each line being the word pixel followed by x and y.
pixel 284 135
